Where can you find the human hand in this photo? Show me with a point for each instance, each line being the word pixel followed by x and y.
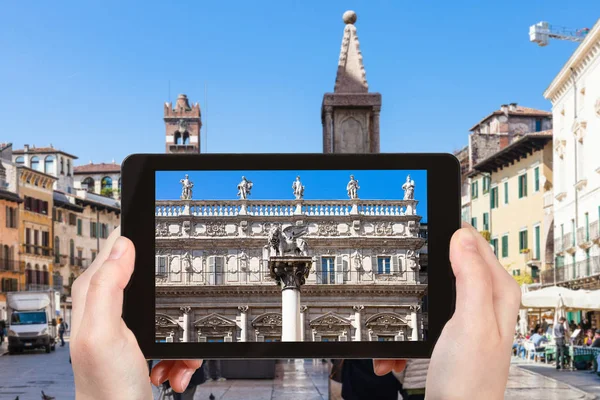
pixel 471 359
pixel 106 358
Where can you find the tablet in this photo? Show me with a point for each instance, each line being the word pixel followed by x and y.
pixel 290 255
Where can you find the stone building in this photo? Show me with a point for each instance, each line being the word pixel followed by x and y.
pixel 183 124
pixel 575 97
pixel 101 178
pixel 50 161
pixel 213 281
pixel 11 268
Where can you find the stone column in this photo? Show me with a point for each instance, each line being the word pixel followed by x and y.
pixel 243 323
pixel 303 323
pixel 290 273
pixel 414 323
pixel 375 147
pixel 186 323
pixel 358 322
pixel 327 130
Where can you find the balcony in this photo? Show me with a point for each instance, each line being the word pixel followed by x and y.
pixel 594 233
pixel 37 250
pixel 558 246
pixel 548 199
pixel 568 243
pixel 583 237
pixel 573 272
pixel 81 262
pixel 37 287
pixel 7 265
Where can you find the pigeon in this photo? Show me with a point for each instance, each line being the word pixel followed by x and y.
pixel 46 397
pixel 211 397
pixel 17 398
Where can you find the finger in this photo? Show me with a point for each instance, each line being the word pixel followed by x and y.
pixel 180 376
pixel 104 301
pixel 383 367
pixel 195 364
pixel 160 372
pixel 473 277
pixel 506 292
pixel 80 286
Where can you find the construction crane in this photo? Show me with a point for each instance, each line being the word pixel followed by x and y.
pixel 541 32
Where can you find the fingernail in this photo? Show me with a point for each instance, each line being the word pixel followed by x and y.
pixel 118 249
pixel 468 240
pixel 185 379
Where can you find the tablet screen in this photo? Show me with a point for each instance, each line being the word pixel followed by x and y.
pixel 291 255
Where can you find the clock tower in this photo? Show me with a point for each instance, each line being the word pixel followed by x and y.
pixel 182 124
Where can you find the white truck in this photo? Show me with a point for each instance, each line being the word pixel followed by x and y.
pixel 32 320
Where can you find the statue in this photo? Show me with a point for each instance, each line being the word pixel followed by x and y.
pixel 352 188
pixel 287 240
pixel 409 189
pixel 298 188
pixel 186 190
pixel 187 261
pixel 244 188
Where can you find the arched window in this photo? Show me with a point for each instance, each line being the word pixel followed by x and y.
pixel 28 274
pixel 56 249
pixel 49 164
pixel 186 138
pixel 38 275
pixel 45 276
pixel 105 184
pixel 20 160
pixel 68 167
pixel 72 252
pixel 35 163
pixel 62 165
pixel 177 138
pixel 89 182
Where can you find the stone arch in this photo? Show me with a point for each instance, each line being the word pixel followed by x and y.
pixel 267 327
pixel 166 328
pixel 387 326
pixel 330 327
pixel 215 327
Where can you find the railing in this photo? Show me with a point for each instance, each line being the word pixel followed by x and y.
pixel 37 249
pixel 82 262
pixel 583 234
pixel 594 233
pixel 548 199
pixel 279 208
pixel 36 287
pixel 11 265
pixel 581 269
pixel 558 246
pixel 567 241
pixel 323 277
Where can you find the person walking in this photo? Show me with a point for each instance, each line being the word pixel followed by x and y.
pixel 559 332
pixel 62 328
pixel 213 370
pixel 2 330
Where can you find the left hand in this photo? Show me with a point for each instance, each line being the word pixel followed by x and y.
pixel 107 360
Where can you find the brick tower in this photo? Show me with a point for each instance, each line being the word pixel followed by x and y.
pixel 182 124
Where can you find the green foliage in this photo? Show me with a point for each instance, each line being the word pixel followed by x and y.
pixel 108 192
pixel 487 235
pixel 524 279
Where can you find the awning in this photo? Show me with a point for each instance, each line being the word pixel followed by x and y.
pixel 548 298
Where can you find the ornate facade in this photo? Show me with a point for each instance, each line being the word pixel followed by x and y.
pixel 213 282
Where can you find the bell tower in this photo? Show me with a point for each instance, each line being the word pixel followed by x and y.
pixel 182 124
pixel 350 115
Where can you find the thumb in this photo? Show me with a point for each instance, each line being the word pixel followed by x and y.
pixel 104 300
pixel 474 294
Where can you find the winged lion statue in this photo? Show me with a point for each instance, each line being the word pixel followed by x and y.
pixel 288 241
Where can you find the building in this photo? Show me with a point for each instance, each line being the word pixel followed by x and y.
pixel 102 178
pixel 50 161
pixel 35 227
pixel 364 253
pixel 575 97
pixel 82 223
pixel 465 188
pixel 183 124
pixel 511 205
pixel 11 269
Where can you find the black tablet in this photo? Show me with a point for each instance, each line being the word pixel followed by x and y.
pixel 290 255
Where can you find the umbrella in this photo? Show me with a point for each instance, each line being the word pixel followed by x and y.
pixel 546 298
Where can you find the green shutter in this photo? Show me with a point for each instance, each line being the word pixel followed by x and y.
pixel 505 246
pixel 525 185
pixel 474 222
pixel 536 172
pixel 587 227
pixel 520 186
pixel 486 221
pixel 505 192
pixel 537 255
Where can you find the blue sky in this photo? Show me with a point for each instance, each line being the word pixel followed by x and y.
pixel 91 77
pixel 277 185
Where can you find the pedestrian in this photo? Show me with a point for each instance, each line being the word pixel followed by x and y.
pixel 589 338
pixel 414 378
pixel 2 329
pixel 62 328
pixel 596 342
pixel 213 371
pixel 359 381
pixel 559 331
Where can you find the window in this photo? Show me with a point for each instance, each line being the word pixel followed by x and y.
pixel 79 258
pixel 560 261
pixel 79 227
pixel 49 165
pixel 523 185
pixel 486 184
pixel 523 240
pixel 71 252
pixel 474 222
pixel 46 243
pixel 161 265
pixel 93 230
pixel 93 255
pixel 62 165
pixel 35 163
pixel 536 177
pixel 56 249
pixel 587 227
pixel 573 232
pixel 486 221
pixel 68 167
pixel 505 246
pixel 215 268
pixel 474 190
pixel 494 198
pixel 20 160
pixel 538 125
pixel 36 241
pixel 28 240
pixel 383 265
pixel 60 216
pixel 516 272
pixel 327 270
pixel 72 219
pixel 386 338
pixel 495 246
pixel 89 184
pixel 505 192
pixel 105 185
pixel 537 238
pixel 11 217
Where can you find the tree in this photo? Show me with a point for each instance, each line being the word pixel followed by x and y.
pixel 108 192
pixel 524 279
